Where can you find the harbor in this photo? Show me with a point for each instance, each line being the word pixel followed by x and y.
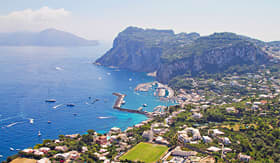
pixel 119 102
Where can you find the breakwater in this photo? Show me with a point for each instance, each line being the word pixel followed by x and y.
pixel 119 102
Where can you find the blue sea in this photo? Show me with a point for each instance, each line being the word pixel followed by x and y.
pixel 30 75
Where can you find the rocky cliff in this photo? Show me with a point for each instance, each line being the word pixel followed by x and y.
pixel 176 54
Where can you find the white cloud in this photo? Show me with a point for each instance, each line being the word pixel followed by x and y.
pixel 33 20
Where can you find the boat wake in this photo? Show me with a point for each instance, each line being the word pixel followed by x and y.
pixel 57 106
pixel 12 124
pixel 20 115
pixel 58 68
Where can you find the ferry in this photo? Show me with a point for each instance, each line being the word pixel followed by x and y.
pixel 50 100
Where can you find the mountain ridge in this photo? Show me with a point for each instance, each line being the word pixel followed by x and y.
pixel 47 37
pixel 171 55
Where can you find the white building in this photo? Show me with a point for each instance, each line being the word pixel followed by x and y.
pixel 207 139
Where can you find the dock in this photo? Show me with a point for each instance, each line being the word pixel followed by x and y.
pixel 118 105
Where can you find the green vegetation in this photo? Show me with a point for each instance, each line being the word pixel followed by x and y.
pixel 145 152
pixel 252 132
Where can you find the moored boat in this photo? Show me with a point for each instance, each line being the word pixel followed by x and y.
pixel 70 105
pixel 50 100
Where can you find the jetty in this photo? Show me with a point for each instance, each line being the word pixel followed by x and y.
pixel 118 105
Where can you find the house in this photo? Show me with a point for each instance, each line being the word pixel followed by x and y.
pixel 44 149
pixel 230 109
pixel 197 115
pixel 226 140
pixel 138 125
pixel 161 140
pixel 184 138
pixel 123 137
pixel 257 103
pixel 38 153
pixel 57 141
pixel 114 138
pixel 43 160
pixel 156 130
pixel 245 158
pixel 213 149
pixel 195 133
pixel 27 150
pixel 217 132
pixel 74 155
pixel 183 153
pixel 129 131
pixel 148 135
pixel 207 159
pixel 63 156
pixel 255 107
pixel 73 136
pixel 115 130
pixel 204 107
pixel 226 150
pixel 61 148
pixel 207 139
pixel 101 140
pixel 84 149
pixel 176 160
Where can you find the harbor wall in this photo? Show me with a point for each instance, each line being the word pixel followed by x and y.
pixel 118 104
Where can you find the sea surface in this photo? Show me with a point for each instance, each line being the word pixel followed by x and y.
pixel 30 75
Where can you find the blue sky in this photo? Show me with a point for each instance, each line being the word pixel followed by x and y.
pixel 103 19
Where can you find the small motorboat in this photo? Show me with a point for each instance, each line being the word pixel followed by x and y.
pixel 144 105
pixel 50 100
pixel 17 149
pixel 12 149
pixel 49 122
pixel 57 106
pixel 31 121
pixel 95 100
pixel 70 105
pixel 123 102
pixel 75 114
pixel 1 156
pixel 39 133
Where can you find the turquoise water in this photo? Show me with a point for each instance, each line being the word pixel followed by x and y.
pixel 30 75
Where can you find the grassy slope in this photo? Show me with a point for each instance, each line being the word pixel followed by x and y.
pixel 145 152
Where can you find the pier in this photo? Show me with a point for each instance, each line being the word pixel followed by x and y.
pixel 119 102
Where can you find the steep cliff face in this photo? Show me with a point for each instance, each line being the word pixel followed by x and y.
pixel 176 54
pixel 140 50
pixel 132 55
pixel 213 61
